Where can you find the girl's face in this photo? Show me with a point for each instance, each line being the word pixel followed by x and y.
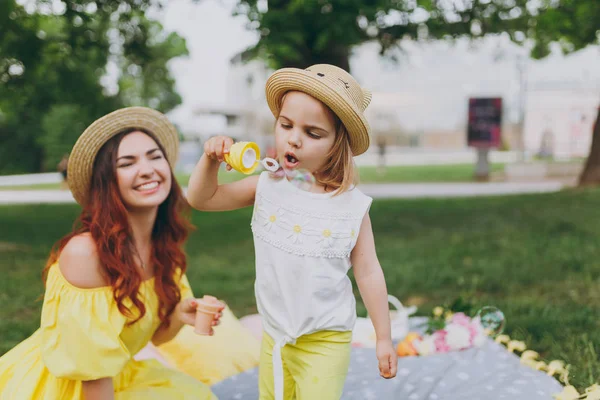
pixel 304 132
pixel 143 172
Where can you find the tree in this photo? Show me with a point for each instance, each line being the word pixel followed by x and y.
pixel 303 32
pixel 57 137
pixel 574 24
pixel 299 34
pixel 53 60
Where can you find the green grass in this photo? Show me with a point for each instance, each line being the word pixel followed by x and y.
pixel 397 174
pixel 423 173
pixel 535 257
pixel 419 173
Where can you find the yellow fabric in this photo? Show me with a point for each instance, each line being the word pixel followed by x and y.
pixel 83 336
pixel 231 350
pixel 313 368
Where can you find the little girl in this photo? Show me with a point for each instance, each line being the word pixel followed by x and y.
pixel 307 240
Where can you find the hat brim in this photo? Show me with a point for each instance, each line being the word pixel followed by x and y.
pixel 81 160
pixel 294 79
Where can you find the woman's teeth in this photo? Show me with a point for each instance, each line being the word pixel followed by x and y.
pixel 148 186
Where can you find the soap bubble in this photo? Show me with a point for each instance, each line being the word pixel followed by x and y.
pixel 492 320
pixel 301 178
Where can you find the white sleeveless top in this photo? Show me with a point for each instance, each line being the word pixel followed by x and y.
pixel 303 242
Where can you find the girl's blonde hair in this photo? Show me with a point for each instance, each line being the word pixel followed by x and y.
pixel 339 172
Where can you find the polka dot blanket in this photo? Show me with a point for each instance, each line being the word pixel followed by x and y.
pixel 486 373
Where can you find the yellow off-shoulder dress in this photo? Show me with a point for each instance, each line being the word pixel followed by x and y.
pixel 83 336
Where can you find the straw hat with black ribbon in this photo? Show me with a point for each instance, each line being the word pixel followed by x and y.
pixel 334 87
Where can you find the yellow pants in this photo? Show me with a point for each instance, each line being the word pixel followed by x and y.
pixel 313 368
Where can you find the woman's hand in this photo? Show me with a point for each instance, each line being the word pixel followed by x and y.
pixel 100 389
pixel 186 313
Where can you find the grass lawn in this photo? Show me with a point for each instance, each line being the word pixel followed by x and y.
pixel 397 174
pixel 419 173
pixel 393 174
pixel 535 257
pixel 423 173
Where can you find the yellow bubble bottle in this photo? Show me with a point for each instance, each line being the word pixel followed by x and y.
pixel 243 157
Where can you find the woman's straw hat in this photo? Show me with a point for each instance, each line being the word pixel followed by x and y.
pixel 333 86
pixel 81 159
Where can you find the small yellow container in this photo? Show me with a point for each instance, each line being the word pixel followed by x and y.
pixel 243 157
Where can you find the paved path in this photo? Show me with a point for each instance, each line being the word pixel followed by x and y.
pixel 392 190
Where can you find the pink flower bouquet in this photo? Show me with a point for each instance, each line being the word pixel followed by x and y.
pixel 459 333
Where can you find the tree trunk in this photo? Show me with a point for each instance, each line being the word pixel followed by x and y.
pixel 591 172
pixel 338 55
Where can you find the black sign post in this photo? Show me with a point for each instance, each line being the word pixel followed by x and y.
pixel 484 130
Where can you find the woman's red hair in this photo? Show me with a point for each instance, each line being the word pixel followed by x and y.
pixel 105 218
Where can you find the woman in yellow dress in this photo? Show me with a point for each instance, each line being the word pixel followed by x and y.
pixel 118 280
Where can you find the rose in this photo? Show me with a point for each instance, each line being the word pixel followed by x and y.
pixel 458 337
pixel 461 319
pixel 439 338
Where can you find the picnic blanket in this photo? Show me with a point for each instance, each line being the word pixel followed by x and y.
pixel 489 372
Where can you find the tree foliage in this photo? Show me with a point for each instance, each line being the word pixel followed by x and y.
pixel 56 59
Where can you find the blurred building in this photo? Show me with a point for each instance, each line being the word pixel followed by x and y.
pixel 246 114
pixel 420 99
